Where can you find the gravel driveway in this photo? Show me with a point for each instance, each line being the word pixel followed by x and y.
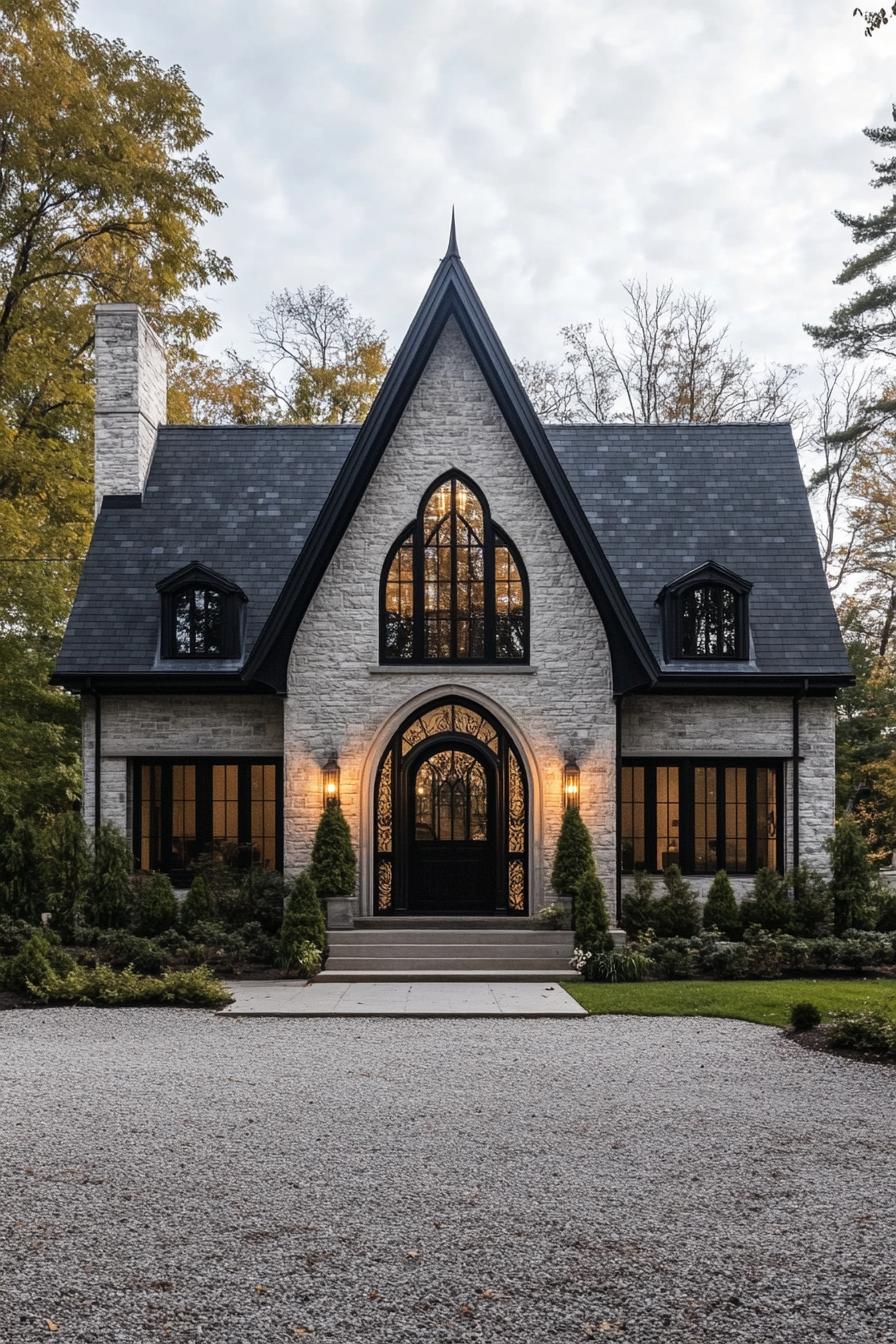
pixel 171 1175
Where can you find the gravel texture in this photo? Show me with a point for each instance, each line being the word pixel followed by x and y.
pixel 171 1175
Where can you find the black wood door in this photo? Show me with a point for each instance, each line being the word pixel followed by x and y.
pixel 451 841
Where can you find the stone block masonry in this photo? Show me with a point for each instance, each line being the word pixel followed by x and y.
pixel 131 396
pixel 171 725
pixel 338 698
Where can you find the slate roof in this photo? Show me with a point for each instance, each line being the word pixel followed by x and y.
pixel 664 499
pixel 659 500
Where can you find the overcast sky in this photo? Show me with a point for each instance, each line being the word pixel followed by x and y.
pixel 582 141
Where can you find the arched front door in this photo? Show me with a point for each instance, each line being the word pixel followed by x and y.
pixel 451 817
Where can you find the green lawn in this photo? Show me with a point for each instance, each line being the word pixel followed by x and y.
pixel 766 1001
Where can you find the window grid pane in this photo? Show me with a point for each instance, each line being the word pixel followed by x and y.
pixel 709 622
pixel 705 819
pixel 633 818
pixel 736 858
pixel 667 816
pixel 263 809
pixel 766 818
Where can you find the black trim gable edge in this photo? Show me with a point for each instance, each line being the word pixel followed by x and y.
pixel 451 294
pixel 161 683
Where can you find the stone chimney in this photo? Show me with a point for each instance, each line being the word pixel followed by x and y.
pixel 131 392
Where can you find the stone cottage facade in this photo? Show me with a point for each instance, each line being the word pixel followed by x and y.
pixel 457 620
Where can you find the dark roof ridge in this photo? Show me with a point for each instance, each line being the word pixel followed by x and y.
pixel 671 424
pixel 284 424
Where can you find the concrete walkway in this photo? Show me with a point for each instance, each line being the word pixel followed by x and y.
pixel 403 998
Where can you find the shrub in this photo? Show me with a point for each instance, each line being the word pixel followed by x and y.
pixel 827 952
pixel 103 986
pixel 813 909
pixel 618 964
pixel 770 906
pixel 215 944
pixel 551 917
pixel 108 896
pixel 200 904
pixel 867 1030
pixel 21 885
pixel 804 1016
pixel 574 859
pixel 14 934
pixel 850 875
pixel 174 944
pixel 676 914
pixel 794 952
pixel 332 857
pixel 303 923
pixel 764 959
pixel 259 945
pixel 120 948
pixel 66 870
pixel 728 962
pixel 720 909
pixel 153 904
pixel 672 958
pixel 885 906
pixel 638 905
pixel 860 948
pixel 38 959
pixel 261 899
pixel 590 917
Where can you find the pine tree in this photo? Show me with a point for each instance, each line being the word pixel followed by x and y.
pixel 153 904
pixel 199 905
pixel 591 919
pixel 720 910
pixel 332 857
pixel 770 905
pixel 574 859
pixel 303 924
pixel 812 904
pixel 866 323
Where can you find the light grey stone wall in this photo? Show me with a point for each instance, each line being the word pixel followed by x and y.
pixel 131 395
pixel 176 725
pixel 339 699
pixel 745 726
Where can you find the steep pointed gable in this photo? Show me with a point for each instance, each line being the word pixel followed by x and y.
pixel 451 294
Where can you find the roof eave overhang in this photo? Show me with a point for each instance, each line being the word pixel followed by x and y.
pixel 451 294
pixel 154 683
pixel 749 683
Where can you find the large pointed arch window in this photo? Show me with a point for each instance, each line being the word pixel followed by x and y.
pixel 454 588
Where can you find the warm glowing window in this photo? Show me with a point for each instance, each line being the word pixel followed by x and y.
pixel 702 816
pixel 454 589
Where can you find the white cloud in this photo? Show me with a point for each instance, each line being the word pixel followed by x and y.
pixel 582 142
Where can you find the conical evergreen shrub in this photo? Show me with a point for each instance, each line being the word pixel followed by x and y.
pixel 153 904
pixel 813 908
pixel 676 914
pixel 638 905
pixel 66 870
pixel 850 875
pixel 332 858
pixel 200 906
pixel 720 909
pixel 21 884
pixel 574 859
pixel 108 898
pixel 303 928
pixel 770 905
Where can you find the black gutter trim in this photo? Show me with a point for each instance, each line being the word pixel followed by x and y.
pixel 97 760
pixel 748 683
pixel 161 683
pixel 618 811
pixel 451 294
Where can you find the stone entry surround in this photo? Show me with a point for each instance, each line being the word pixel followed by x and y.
pixel 439 998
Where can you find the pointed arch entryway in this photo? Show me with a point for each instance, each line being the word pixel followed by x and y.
pixel 451 815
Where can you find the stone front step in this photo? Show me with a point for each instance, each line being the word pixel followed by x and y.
pixel 373 977
pixel 478 948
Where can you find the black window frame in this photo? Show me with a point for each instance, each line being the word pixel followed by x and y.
pixel 203 765
pixel 671 601
pixel 493 536
pixel 191 579
pixel 686 767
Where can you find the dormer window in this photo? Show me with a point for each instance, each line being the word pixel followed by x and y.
pixel 705 616
pixel 201 615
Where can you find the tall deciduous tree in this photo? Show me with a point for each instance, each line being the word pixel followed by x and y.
pixel 323 362
pixel 103 185
pixel 671 363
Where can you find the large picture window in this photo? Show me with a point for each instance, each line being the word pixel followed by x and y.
pixel 701 815
pixel 453 587
pixel 187 810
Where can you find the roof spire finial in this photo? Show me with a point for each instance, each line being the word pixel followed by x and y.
pixel 452 239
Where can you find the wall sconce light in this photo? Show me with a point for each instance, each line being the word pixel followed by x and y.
pixel 570 783
pixel 330 781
